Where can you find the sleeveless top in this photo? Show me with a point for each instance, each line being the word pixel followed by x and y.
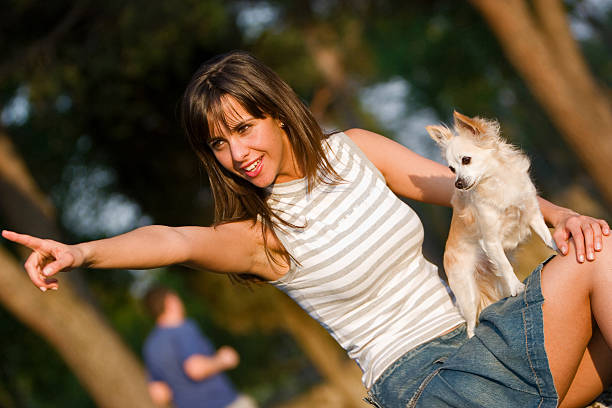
pixel 359 269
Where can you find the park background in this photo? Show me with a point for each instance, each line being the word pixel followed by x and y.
pixel 91 146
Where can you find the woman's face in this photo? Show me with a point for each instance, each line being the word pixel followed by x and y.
pixel 258 150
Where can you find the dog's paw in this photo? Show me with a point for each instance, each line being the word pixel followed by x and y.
pixel 516 287
pixel 470 331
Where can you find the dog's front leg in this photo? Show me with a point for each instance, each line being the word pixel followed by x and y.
pixel 459 265
pixel 538 225
pixel 495 251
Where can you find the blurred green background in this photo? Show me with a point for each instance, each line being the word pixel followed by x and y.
pixel 90 146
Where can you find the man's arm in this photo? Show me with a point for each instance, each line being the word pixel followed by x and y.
pixel 199 367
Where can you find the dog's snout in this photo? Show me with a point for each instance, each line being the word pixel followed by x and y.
pixel 460 184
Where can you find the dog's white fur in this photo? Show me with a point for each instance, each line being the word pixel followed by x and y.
pixel 494 207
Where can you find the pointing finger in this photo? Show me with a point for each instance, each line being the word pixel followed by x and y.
pixel 23 239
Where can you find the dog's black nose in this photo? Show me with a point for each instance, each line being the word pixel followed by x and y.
pixel 459 184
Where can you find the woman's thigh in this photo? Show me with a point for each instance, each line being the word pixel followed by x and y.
pixel 573 294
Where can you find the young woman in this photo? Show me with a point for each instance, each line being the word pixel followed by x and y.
pixel 317 216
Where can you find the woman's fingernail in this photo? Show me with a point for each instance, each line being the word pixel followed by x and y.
pixel 597 246
pixel 47 271
pixel 43 288
pixel 54 288
pixel 564 250
pixel 590 256
pixel 580 258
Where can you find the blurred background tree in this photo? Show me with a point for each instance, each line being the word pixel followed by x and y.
pixel 90 146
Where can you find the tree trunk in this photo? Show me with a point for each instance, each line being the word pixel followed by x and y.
pixel 97 356
pixel 92 349
pixel 331 361
pixel 540 46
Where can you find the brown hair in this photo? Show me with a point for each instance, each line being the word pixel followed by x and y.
pixel 155 300
pixel 262 93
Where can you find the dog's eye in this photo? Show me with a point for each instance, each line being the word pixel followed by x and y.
pixel 466 160
pixel 451 168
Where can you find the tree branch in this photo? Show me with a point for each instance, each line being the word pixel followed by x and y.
pixel 13 168
pixel 569 59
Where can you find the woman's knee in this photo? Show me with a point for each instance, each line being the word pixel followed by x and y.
pixel 601 266
pixel 592 270
pixel 606 248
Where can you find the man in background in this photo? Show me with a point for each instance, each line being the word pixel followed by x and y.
pixel 184 367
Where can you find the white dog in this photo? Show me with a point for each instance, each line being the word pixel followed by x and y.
pixel 494 206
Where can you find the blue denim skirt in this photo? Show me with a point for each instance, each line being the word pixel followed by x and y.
pixel 503 365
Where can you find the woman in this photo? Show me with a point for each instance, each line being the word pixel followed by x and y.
pixel 316 215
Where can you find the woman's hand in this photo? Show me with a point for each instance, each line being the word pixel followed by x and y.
pixel 585 231
pixel 48 258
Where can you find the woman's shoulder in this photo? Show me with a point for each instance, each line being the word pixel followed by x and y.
pixel 363 138
pixel 360 143
pixel 365 142
pixel 355 138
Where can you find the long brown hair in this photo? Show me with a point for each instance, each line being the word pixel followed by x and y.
pixel 262 93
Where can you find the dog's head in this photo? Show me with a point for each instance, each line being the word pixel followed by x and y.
pixel 469 149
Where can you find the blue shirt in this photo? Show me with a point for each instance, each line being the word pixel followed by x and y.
pixel 166 349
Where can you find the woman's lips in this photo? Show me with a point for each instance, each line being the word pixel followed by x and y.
pixel 254 168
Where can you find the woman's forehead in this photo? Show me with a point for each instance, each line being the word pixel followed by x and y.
pixel 233 111
pixel 226 115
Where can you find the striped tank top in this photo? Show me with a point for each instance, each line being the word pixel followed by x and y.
pixel 360 271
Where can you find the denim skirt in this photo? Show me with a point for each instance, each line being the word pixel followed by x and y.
pixel 503 365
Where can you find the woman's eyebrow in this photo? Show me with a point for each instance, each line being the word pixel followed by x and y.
pixel 239 124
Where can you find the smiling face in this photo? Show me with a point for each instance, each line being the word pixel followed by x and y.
pixel 255 149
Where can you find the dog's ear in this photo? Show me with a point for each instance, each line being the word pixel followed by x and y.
pixel 440 134
pixel 467 123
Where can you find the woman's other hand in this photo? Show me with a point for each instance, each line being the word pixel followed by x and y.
pixel 585 231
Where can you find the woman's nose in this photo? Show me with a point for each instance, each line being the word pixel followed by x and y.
pixel 239 150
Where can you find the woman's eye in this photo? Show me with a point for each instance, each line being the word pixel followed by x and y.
pixel 216 144
pixel 244 128
pixel 451 168
pixel 466 160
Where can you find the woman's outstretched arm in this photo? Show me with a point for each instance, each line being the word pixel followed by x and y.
pixel 228 248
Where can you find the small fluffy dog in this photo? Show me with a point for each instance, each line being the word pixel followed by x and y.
pixel 494 207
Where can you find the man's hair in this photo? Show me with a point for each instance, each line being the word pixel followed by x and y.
pixel 154 300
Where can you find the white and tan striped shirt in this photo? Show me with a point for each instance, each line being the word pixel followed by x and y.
pixel 360 271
